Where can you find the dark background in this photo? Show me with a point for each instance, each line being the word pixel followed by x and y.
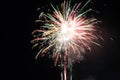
pixel 103 63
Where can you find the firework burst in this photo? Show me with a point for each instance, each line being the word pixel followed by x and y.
pixel 67 33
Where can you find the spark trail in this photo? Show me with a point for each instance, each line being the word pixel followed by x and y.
pixel 67 33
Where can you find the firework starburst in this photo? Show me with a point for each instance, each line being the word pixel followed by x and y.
pixel 67 33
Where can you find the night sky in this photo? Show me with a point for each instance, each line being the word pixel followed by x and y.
pixel 103 63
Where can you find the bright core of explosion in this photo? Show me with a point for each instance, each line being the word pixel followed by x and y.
pixel 66 32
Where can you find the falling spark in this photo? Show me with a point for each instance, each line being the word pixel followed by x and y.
pixel 67 33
